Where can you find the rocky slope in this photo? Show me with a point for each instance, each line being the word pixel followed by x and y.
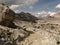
pixel 31 34
pixel 43 32
pixel 6 15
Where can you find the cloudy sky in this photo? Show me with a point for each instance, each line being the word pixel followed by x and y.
pixel 33 5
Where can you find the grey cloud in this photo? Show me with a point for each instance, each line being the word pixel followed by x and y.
pixel 19 2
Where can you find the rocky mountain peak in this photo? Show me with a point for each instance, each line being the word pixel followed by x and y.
pixel 6 15
pixel 26 17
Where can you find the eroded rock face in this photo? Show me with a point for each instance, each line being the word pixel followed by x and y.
pixel 6 15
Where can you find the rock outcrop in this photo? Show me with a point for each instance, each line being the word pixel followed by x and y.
pixel 6 15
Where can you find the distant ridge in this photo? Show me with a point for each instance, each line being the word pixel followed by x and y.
pixel 26 17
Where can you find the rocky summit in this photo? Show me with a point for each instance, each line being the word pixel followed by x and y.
pixel 21 29
pixel 6 15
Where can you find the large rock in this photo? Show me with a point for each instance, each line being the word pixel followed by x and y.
pixel 6 14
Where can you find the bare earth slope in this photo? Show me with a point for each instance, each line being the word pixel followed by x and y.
pixel 46 32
